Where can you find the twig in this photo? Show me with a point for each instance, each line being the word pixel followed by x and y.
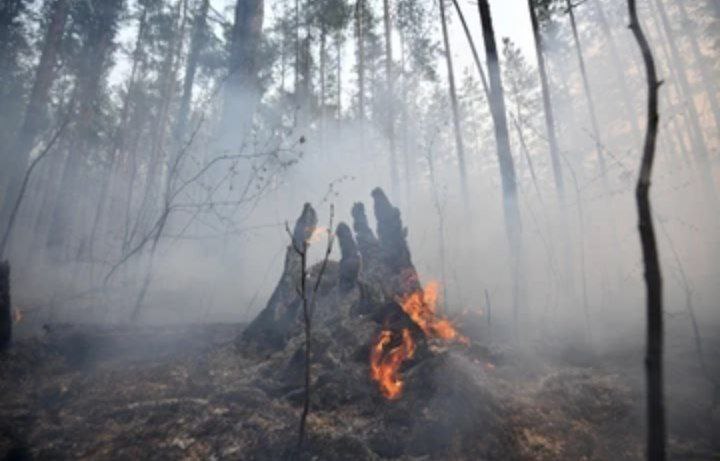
pixel 308 306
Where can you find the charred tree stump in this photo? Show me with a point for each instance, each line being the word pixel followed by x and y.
pixel 273 325
pixel 5 309
pixel 349 258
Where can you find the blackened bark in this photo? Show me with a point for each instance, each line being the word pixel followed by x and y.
pixel 505 160
pixel 498 111
pixel 454 104
pixel 656 439
pixel 350 258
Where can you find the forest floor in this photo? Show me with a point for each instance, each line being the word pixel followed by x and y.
pixel 187 392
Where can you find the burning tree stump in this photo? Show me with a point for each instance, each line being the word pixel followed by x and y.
pixel 373 328
pixel 5 307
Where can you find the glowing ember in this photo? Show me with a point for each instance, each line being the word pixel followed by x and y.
pixel 17 315
pixel 421 307
pixel 385 362
pixel 386 359
pixel 318 233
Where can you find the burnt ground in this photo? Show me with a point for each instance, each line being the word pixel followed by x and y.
pixel 236 392
pixel 89 392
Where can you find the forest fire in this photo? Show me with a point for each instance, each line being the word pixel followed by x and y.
pixel 389 350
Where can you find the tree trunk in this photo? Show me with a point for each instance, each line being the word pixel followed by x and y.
pixel 706 74
pixel 505 160
pixel 119 139
pixel 473 49
pixel 695 132
pixel 359 13
pixel 497 108
pixel 617 67
pixel 197 43
pixel 394 179
pixel 36 110
pixel 243 89
pixel 653 280
pixel 96 53
pixel 586 87
pixel 547 104
pixel 338 72
pixel 5 307
pixel 454 104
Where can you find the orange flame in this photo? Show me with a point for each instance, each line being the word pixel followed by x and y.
pixel 385 364
pixel 421 307
pixel 385 360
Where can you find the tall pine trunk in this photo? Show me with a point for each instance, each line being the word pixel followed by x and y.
pixel 586 88
pixel 695 130
pixel 360 36
pixel 505 160
pixel 547 104
pixel 618 67
pixel 454 104
pixel 36 111
pixel 390 99
pixel 708 82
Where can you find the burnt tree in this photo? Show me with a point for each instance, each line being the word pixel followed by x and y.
pixel 653 279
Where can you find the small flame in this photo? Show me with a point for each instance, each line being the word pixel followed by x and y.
pixel 17 315
pixel 318 233
pixel 385 362
pixel 421 307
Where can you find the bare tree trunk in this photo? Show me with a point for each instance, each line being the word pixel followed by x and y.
pixel 323 58
pixel 36 110
pixel 586 87
pixel 394 177
pixel 121 133
pixel 505 160
pixel 547 104
pixel 5 307
pixel 359 12
pixel 695 130
pixel 338 72
pixel 617 67
pixel 454 105
pixel 653 280
pixel 197 43
pixel 473 49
